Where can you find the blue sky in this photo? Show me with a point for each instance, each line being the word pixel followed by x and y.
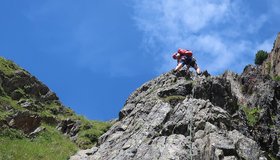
pixel 95 53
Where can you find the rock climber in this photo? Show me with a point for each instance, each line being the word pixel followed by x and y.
pixel 185 57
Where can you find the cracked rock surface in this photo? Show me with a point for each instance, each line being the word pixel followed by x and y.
pixel 171 117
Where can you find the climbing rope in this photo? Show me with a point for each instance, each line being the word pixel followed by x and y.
pixel 190 126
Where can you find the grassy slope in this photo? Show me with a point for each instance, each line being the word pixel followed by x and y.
pixel 50 144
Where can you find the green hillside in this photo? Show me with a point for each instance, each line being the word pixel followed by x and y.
pixel 34 124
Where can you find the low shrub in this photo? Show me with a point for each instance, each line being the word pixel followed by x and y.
pixel 260 57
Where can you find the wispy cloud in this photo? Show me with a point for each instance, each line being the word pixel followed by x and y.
pixel 219 32
pixel 255 26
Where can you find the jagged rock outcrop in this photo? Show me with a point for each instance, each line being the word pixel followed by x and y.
pixel 261 95
pixel 272 65
pixel 69 127
pixel 21 81
pixel 171 117
pixel 25 121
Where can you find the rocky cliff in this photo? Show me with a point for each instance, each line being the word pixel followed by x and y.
pixel 227 117
pixel 272 65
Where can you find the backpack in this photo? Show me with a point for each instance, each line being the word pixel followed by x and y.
pixel 184 52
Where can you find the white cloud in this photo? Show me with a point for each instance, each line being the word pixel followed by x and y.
pixel 216 30
pixel 257 24
pixel 172 20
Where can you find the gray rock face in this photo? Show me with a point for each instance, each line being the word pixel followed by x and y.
pixel 271 66
pixel 174 118
pixel 260 94
pixel 69 127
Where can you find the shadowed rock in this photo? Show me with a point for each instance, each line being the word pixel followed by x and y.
pixel 25 121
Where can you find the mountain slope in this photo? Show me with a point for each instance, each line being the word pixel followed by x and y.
pixel 227 117
pixel 34 121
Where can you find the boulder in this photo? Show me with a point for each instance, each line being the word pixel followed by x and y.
pixel 25 121
pixel 69 127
